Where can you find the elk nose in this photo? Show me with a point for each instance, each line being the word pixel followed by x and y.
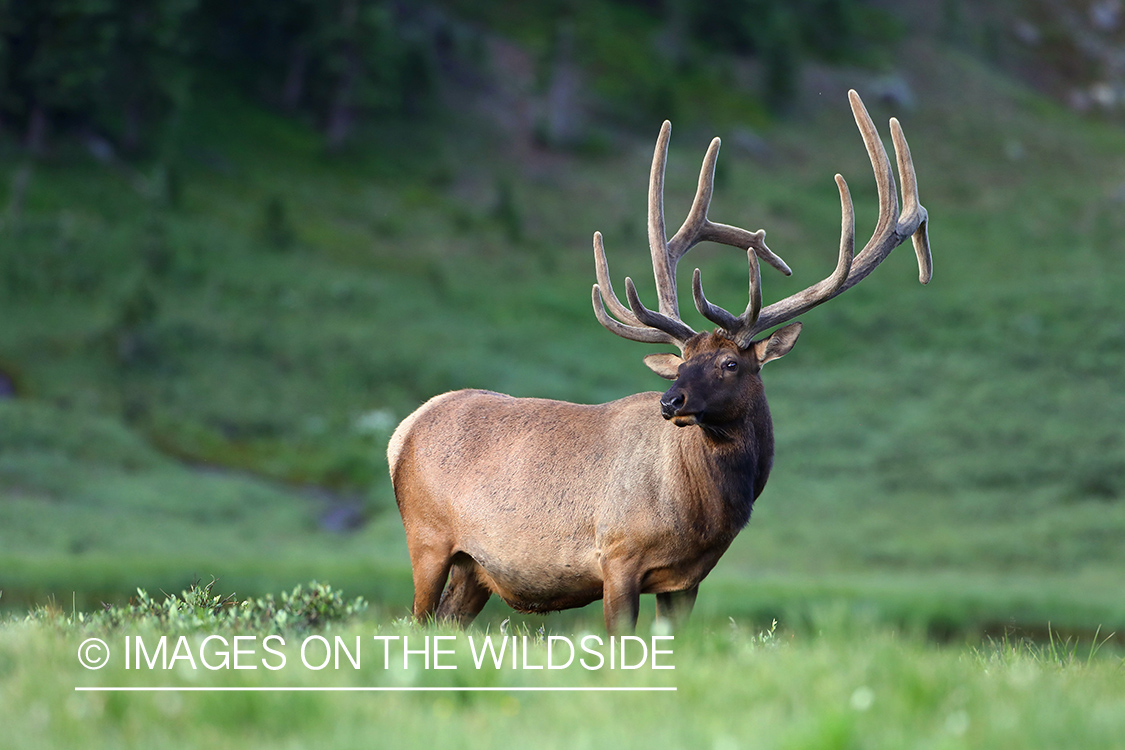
pixel 671 402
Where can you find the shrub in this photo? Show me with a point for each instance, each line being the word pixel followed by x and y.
pixel 314 606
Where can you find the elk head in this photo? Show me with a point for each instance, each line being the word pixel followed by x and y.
pixel 716 379
pixel 715 371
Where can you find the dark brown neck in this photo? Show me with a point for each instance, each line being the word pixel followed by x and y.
pixel 739 455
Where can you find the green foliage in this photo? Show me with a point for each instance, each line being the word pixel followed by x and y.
pixel 1058 651
pixel 277 228
pixel 781 59
pixel 507 211
pixel 783 34
pixel 335 62
pixel 115 65
pixel 834 30
pixel 122 73
pixel 125 69
pixel 313 606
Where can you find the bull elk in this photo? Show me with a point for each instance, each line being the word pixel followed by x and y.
pixel 552 505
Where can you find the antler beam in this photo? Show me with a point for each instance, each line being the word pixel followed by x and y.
pixel 638 323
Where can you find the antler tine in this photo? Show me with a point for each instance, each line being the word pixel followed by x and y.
pixel 633 333
pixel 667 320
pixel 721 317
pixel 674 327
pixel 601 269
pixel 880 165
pixel 713 313
pixel 754 307
pixel 687 235
pixel 791 307
pixel 637 322
pixel 725 234
pixel 663 265
pixel 698 228
pixel 912 211
pixel 891 229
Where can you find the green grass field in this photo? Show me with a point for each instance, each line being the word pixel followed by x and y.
pixel 205 374
pixel 841 684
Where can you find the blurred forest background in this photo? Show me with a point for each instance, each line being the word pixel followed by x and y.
pixel 240 241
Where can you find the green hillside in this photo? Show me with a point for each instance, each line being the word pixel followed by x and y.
pixel 210 346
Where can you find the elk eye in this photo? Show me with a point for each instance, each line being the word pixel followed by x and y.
pixel 730 365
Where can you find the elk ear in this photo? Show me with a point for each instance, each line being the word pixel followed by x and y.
pixel 778 344
pixel 666 366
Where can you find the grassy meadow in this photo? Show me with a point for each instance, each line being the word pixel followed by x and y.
pixel 853 686
pixel 209 355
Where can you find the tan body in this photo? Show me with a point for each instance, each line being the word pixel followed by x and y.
pixel 552 505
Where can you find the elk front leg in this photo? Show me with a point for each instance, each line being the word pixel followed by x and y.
pixel 621 594
pixel 676 606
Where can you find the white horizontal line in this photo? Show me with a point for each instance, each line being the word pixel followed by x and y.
pixel 294 689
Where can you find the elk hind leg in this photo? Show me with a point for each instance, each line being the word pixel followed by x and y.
pixel 674 607
pixel 465 596
pixel 431 569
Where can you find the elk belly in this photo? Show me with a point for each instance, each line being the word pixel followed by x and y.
pixel 532 584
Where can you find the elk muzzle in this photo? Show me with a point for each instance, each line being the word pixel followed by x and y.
pixel 673 405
